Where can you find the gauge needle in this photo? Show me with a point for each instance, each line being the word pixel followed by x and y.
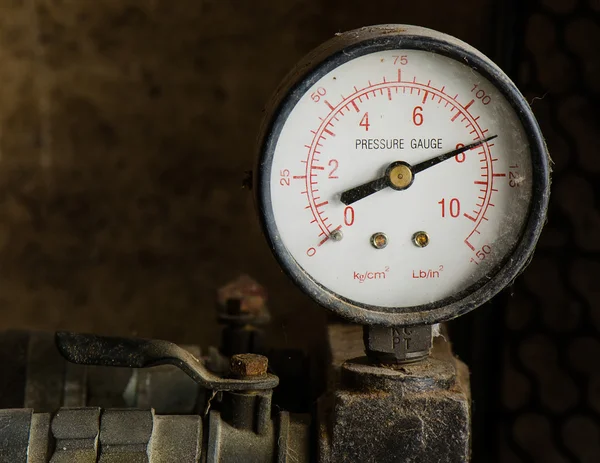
pixel 399 175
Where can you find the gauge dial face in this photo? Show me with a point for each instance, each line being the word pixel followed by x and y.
pixel 370 195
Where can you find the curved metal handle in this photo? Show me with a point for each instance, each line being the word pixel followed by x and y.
pixel 89 349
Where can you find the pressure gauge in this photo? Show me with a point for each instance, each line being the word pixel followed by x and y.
pixel 402 178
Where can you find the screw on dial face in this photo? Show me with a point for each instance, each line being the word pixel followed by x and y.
pixel 421 239
pixel 390 113
pixel 379 240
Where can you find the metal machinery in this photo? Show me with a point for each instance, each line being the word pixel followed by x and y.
pixel 401 181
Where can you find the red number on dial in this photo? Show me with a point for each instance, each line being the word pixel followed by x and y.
pixel 364 122
pixel 417 115
pixel 453 207
pixel 334 166
pixel 348 216
pixel 460 157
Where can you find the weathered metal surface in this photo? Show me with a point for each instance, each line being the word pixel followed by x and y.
pixel 75 432
pixel 229 443
pixel 286 440
pixel 91 435
pixel 397 344
pixel 245 365
pixel 413 412
pixel 293 440
pixel 88 349
pixel 124 436
pixel 39 450
pixel 165 388
pixel 37 377
pixel 246 433
pixel 176 439
pixel 244 430
pixel 343 344
pixel 14 435
pixel 86 435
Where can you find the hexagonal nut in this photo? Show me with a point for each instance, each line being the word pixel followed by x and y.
pixel 379 339
pixel 251 296
pixel 397 342
pixel 249 365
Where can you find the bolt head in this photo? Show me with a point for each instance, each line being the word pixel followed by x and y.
pixel 336 235
pixel 379 240
pixel 243 300
pixel 421 239
pixel 249 365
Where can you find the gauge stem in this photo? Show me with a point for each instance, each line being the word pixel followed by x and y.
pixel 397 344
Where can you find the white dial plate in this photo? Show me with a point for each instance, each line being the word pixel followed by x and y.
pixel 402 105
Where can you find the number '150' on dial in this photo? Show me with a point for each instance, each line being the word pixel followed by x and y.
pixel 402 177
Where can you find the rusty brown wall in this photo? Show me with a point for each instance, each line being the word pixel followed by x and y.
pixel 125 129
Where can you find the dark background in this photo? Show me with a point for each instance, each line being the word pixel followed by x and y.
pixel 125 130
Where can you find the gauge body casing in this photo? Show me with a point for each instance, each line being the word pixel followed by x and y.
pixel 349 46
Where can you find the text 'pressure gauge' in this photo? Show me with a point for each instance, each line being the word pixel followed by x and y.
pixel 402 178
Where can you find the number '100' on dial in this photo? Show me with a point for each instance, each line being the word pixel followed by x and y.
pixel 402 179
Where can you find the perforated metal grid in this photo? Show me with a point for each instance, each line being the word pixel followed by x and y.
pixel 550 383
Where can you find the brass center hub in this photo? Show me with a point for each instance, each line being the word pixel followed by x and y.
pixel 400 176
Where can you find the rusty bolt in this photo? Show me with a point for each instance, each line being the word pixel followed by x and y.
pixel 250 297
pixel 249 365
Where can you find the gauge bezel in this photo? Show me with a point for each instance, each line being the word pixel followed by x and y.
pixel 383 38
